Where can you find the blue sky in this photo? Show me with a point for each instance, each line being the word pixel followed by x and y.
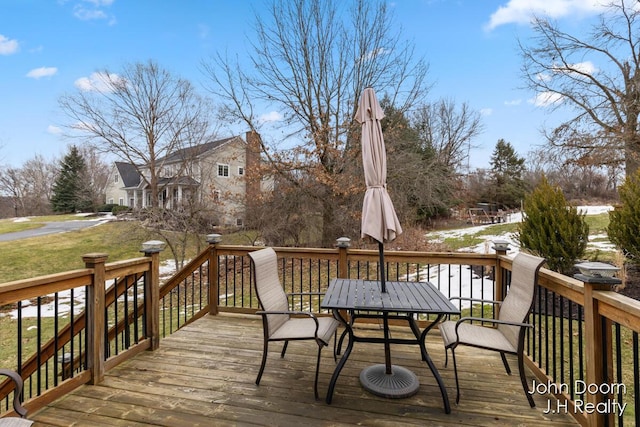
pixel 48 46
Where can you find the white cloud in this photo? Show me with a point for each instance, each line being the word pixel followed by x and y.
pixel 272 116
pixel 38 73
pixel 88 10
pixel 8 46
pixel 374 53
pixel 98 3
pixel 545 99
pixel 513 102
pixel 486 111
pixel 54 130
pixel 98 82
pixel 85 14
pixel 543 77
pixel 521 11
pixel 586 67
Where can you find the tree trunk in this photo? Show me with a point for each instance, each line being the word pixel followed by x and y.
pixel 328 220
pixel 632 154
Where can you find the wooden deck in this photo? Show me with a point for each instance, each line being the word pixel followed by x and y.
pixel 204 375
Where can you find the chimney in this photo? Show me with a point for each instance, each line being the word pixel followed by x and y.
pixel 253 169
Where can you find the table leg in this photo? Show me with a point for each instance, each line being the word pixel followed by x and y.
pixel 336 372
pixel 432 366
pixel 416 331
pixel 387 345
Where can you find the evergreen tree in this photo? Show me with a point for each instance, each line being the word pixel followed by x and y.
pixel 624 222
pixel 71 192
pixel 552 229
pixel 507 169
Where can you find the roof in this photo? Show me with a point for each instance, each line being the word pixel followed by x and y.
pixel 129 174
pixel 195 151
pixel 179 180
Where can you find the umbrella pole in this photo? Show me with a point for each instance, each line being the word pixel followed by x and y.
pixel 387 346
pixel 385 318
pixel 382 272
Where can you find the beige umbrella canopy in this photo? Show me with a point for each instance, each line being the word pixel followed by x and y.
pixel 379 219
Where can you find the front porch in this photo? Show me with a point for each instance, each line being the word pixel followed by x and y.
pixel 204 374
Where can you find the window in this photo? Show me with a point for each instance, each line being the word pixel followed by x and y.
pixel 223 170
pixel 216 195
pixel 240 170
pixel 239 222
pixel 121 201
pixel 115 178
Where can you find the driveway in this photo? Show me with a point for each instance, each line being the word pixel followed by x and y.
pixel 52 228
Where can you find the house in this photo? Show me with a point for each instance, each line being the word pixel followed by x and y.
pixel 214 175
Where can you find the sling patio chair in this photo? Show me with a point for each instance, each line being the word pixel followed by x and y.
pixel 279 322
pixel 17 402
pixel 509 329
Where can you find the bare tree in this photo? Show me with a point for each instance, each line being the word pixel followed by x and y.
pixel 598 76
pixel 141 115
pixel 578 180
pixel 11 185
pixel 30 186
pixel 311 61
pixel 449 130
pixel 39 175
pixel 97 173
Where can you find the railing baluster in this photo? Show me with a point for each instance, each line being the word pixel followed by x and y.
pixel 636 377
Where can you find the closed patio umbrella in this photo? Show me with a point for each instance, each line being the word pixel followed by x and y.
pixel 379 219
pixel 380 222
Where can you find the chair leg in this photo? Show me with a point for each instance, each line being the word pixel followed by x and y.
pixel 335 346
pixel 523 380
pixel 264 361
pixel 505 363
pixel 455 373
pixel 315 384
pixel 284 349
pixel 446 356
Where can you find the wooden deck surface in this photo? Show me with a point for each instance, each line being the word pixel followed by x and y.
pixel 204 375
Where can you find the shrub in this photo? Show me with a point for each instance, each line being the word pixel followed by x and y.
pixel 108 207
pixel 624 221
pixel 552 229
pixel 120 209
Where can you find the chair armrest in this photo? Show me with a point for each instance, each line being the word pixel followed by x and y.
pixel 296 312
pixel 17 393
pixel 475 299
pixel 305 313
pixel 494 321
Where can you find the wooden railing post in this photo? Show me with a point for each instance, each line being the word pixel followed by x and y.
pixel 213 240
pixel 95 316
pixel 152 249
pixel 501 248
pixel 598 347
pixel 343 244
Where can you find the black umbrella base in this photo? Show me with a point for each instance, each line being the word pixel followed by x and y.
pixel 399 384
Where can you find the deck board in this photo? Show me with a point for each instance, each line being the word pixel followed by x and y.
pixel 204 375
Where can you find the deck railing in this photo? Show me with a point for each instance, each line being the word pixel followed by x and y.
pixel 583 348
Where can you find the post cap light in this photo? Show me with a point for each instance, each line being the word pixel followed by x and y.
pixel 501 245
pixel 214 238
pixel 343 242
pixel 152 246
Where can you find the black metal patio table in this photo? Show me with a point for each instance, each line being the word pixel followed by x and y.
pixel 402 300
